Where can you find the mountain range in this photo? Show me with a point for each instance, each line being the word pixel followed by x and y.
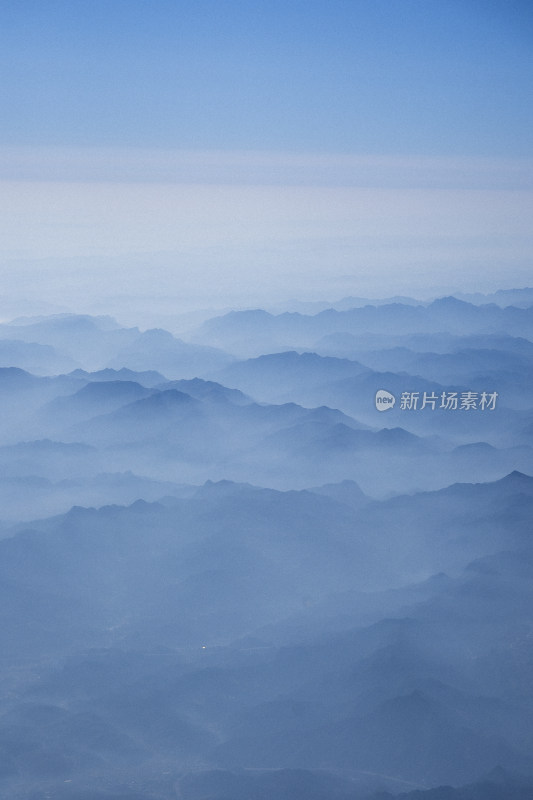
pixel 226 573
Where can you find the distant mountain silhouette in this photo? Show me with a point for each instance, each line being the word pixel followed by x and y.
pixel 246 579
pixel 159 350
pixel 149 378
pixel 258 331
pixel 38 358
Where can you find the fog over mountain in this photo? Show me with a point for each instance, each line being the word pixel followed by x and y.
pixel 231 570
pixel 266 400
pixel 264 331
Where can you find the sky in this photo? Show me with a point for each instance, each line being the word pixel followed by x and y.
pixel 158 154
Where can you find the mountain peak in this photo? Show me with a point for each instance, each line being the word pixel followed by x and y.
pixel 517 480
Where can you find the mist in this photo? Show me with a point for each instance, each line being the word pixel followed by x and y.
pixel 143 234
pixel 266 408
pixel 227 573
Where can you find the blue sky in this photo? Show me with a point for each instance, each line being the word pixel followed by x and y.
pixel 388 76
pixel 261 148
